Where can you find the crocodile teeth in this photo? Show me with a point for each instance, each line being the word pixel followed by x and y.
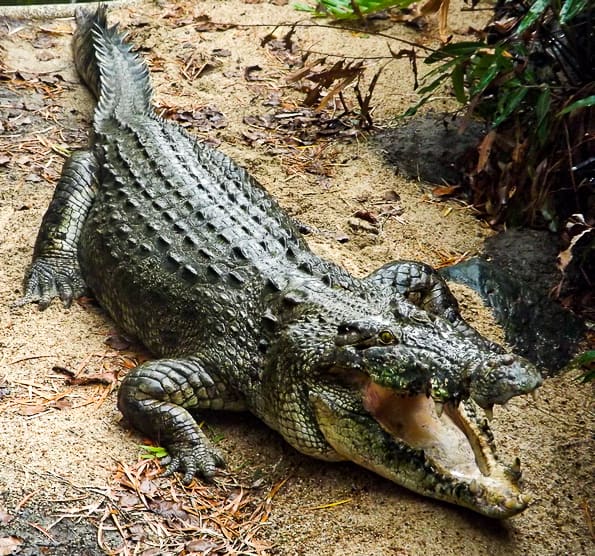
pixel 474 487
pixel 439 408
pixel 513 504
pixel 526 499
pixel 534 395
pixel 489 411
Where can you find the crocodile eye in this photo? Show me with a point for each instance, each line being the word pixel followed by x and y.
pixel 386 337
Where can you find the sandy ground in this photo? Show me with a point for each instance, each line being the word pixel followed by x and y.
pixel 58 443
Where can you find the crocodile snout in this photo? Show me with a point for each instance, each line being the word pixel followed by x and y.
pixel 502 377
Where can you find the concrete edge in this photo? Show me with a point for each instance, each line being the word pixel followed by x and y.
pixel 47 11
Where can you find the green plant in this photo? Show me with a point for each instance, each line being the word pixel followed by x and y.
pixel 152 452
pixel 586 361
pixel 532 80
pixel 350 9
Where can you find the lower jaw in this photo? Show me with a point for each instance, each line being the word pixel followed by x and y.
pixel 458 456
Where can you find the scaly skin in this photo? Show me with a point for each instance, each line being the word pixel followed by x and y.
pixel 187 252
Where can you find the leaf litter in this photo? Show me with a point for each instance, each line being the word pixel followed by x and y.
pixel 154 515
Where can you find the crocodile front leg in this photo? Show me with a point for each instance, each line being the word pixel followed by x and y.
pixel 54 271
pixel 424 287
pixel 155 398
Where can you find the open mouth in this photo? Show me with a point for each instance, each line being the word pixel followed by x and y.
pixel 442 451
pixel 441 431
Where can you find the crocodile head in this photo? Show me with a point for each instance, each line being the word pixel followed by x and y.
pixel 402 400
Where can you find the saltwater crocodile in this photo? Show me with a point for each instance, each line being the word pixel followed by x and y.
pixel 187 252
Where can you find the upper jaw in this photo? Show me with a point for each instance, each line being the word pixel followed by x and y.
pixel 486 377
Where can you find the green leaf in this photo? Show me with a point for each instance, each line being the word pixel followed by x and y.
pixel 458 83
pixel 300 7
pixel 442 69
pixel 343 9
pixel 587 376
pixel 412 110
pixel 536 10
pixel 586 361
pixel 582 103
pixel 570 8
pixel 455 50
pixel 509 103
pixel 542 114
pixel 432 86
pixel 153 452
pixel 487 77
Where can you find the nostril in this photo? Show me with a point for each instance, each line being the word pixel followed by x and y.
pixel 507 359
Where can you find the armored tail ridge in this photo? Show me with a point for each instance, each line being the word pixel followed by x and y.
pixel 118 78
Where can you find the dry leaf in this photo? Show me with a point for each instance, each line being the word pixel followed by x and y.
pixel 484 150
pixel 61 404
pixel 29 410
pixel 391 195
pixel 366 215
pixel 445 190
pixel 565 256
pixel 105 377
pixel 9 545
pixel 201 546
pixel 5 517
pixel 117 342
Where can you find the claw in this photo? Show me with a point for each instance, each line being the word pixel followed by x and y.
pixel 439 406
pixel 516 467
pixel 534 395
pixel 489 411
pixel 526 499
pixel 474 487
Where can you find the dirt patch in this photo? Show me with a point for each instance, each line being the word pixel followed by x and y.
pixel 63 447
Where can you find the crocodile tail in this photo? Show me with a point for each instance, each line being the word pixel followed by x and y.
pixel 118 78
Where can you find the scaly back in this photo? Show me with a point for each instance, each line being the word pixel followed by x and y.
pixel 118 78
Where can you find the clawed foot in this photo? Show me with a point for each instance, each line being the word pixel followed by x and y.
pixel 192 460
pixel 48 278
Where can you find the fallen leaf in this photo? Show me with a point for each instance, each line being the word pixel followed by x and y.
pixel 201 546
pixel 565 256
pixel 484 149
pixel 5 517
pixel 249 72
pixel 366 215
pixel 29 410
pixel 117 342
pixel 9 545
pixel 445 190
pixel 128 501
pixel 61 404
pixel 391 195
pixel 168 509
pixel 358 224
pixel 105 377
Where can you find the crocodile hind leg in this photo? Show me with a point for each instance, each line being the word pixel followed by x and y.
pixel 155 398
pixel 54 271
pixel 423 286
